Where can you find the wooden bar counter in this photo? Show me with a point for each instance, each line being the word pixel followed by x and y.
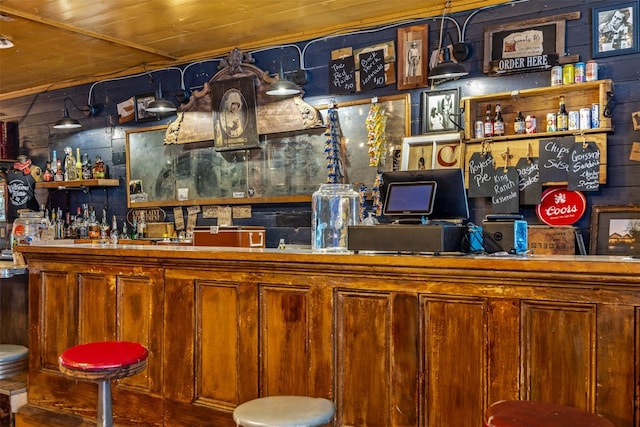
pixel 393 340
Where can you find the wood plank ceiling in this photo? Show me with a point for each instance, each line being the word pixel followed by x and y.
pixel 61 43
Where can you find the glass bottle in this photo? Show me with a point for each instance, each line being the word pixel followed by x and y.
pixel 498 122
pixel 488 122
pixel 99 168
pixel 518 124
pixel 78 164
pixel 334 208
pixel 47 175
pixel 114 230
pixel 562 118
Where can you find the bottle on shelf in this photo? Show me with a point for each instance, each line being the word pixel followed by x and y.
pixel 87 173
pixel 69 165
pixel 99 169
pixel 498 122
pixel 562 118
pixel 142 225
pixel 518 124
pixel 488 122
pixel 47 175
pixel 78 164
pixel 114 230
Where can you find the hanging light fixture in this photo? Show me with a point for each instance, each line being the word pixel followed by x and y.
pixel 66 122
pixel 447 69
pixel 161 105
pixel 283 87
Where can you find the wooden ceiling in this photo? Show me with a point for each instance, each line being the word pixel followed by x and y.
pixel 62 43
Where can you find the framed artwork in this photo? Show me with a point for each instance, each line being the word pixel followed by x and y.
pixel 235 114
pixel 413 57
pixel 540 37
pixel 438 151
pixel 440 111
pixel 615 230
pixel 141 102
pixel 615 29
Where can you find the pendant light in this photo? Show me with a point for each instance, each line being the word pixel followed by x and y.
pixel 283 87
pixel 66 122
pixel 161 105
pixel 447 69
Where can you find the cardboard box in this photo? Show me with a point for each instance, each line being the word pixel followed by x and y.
pixel 548 240
pixel 159 230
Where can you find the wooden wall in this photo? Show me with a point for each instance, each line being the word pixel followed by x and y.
pixel 103 135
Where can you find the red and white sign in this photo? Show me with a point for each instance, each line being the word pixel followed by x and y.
pixel 560 206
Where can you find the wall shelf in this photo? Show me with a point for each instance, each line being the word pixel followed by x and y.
pixel 81 183
pixel 538 102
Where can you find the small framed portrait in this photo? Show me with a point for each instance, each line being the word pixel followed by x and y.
pixel 615 29
pixel 235 114
pixel 413 59
pixel 440 111
pixel 615 230
pixel 141 102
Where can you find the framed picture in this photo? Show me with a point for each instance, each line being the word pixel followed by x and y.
pixel 506 44
pixel 141 102
pixel 615 29
pixel 615 230
pixel 235 114
pixel 440 110
pixel 413 57
pixel 438 151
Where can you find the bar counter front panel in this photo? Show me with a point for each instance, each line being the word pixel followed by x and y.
pixel 393 340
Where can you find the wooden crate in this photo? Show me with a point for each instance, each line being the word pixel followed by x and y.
pixel 548 240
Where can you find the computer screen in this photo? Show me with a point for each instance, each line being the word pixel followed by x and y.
pixel 409 198
pixel 450 202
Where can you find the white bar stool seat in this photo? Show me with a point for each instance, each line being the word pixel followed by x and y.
pixel 284 411
pixel 13 360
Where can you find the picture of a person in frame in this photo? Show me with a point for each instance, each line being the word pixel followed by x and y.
pixel 233 117
pixel 413 60
pixel 616 30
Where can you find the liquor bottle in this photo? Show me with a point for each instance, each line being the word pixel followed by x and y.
pixel 114 230
pixel 125 234
pixel 69 165
pixel 58 175
pixel 488 122
pixel 78 164
pixel 562 118
pixel 104 227
pixel 498 122
pixel 142 225
pixel 99 170
pixel 47 175
pixel 87 172
pixel 518 124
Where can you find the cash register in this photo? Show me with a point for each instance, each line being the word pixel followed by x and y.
pixel 423 211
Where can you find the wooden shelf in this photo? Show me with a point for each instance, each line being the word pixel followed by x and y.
pixel 538 102
pixel 60 185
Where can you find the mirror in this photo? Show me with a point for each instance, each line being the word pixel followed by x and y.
pixel 285 168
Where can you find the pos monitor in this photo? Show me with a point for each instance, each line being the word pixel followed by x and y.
pixel 444 188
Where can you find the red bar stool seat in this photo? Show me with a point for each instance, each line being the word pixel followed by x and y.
pixel 284 411
pixel 102 362
pixel 526 413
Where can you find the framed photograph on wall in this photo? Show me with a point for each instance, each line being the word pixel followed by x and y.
pixel 615 29
pixel 141 102
pixel 413 56
pixel 440 111
pixel 615 230
pixel 235 115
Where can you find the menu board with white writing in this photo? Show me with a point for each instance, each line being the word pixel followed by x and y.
pixel 506 195
pixel 481 170
pixel 584 172
pixel 554 158
pixel 342 76
pixel 529 180
pixel 372 73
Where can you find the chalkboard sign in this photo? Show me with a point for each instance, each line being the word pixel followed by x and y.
pixel 342 76
pixel 372 73
pixel 555 158
pixel 481 171
pixel 529 181
pixel 584 172
pixel 506 196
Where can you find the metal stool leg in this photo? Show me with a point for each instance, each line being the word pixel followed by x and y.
pixel 105 416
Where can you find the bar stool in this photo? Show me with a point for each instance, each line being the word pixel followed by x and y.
pixel 525 413
pixel 284 411
pixel 102 362
pixel 13 360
